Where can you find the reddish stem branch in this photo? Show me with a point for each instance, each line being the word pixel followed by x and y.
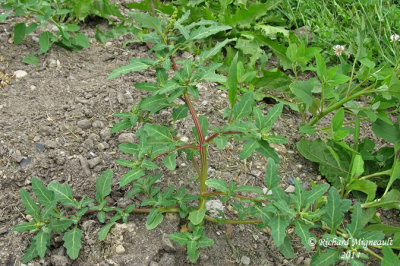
pixel 223 133
pixel 178 148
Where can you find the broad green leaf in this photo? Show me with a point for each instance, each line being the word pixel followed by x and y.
pixel 103 185
pixel 154 103
pixel 205 242
pixel 179 238
pixel 356 221
pixel 267 151
pixel 72 242
pixel 147 21
pixel 232 81
pixel 42 241
pixel 81 40
pixel 390 133
pixel 321 66
pixel 126 163
pixel 221 141
pixel 303 91
pixel 129 148
pixel 270 118
pixel 134 66
pixel 203 32
pixel 169 86
pixel 302 230
pixel 44 196
pixel 19 32
pixel 149 165
pixel 391 200
pixel 386 229
pixel 329 258
pixel 250 14
pixel 44 41
pixel 275 139
pixel 147 86
pixel 258 118
pixel 31 59
pixel 313 194
pixel 130 176
pixel 154 219
pixel 197 216
pixel 102 234
pixel 272 31
pixel 158 135
pixel 248 148
pixel 278 225
pixel 389 257
pixel 30 253
pixel 58 226
pixel 284 209
pixel 26 226
pixel 30 205
pixel 249 189
pixel 244 107
pixel 218 184
pixel 49 211
pixel 5 15
pixel 358 167
pixel 170 161
pixel 287 249
pixel 366 186
pixel 335 209
pixel 271 174
pixel 266 213
pixel 337 120
pixel 121 125
pixel 206 54
pixel 63 193
pixel 101 216
pixel 193 252
pixel 179 113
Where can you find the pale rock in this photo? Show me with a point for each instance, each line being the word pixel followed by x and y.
pixel 120 249
pixel 213 206
pixel 245 260
pixel 126 137
pixel 20 74
pixel 290 189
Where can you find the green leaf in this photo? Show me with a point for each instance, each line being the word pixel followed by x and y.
pixel 302 90
pixel 244 107
pixel 270 118
pixel 267 151
pixel 337 120
pixel 129 148
pixel 63 193
pixel 149 165
pixel 249 189
pixel 130 176
pixel 147 86
pixel 72 242
pixel 58 226
pixel 26 226
pixel 102 234
pixel 302 230
pixel 42 241
pixel 389 257
pixel 390 133
pixel 44 41
pixel 386 229
pixel 147 21
pixel 321 66
pixel 258 118
pixel 329 258
pixel 335 209
pixel 205 242
pixel 101 216
pixel 284 209
pixel 366 186
pixel 126 163
pixel 31 59
pixel 358 166
pixel 232 81
pixel 204 124
pixel 388 201
pixel 30 253
pixel 158 135
pixel 248 148
pixel 197 216
pixel 206 54
pixel 395 168
pixel 287 249
pixel 313 194
pixel 5 15
pixel 179 113
pixel 30 205
pixel 19 32
pixel 218 184
pixel 44 196
pixel 121 125
pixel 154 219
pixel 192 251
pixel 103 185
pixel 134 66
pixel 221 141
pixel 278 225
pixel 204 32
pixel 81 40
pixel 179 238
pixel 356 221
pixel 271 174
pixel 170 161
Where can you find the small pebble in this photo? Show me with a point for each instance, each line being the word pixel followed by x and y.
pixel 245 260
pixel 20 74
pixel 290 189
pixel 84 124
pixel 93 162
pixel 126 137
pixel 98 124
pixel 25 162
pixel 299 166
pixel 120 249
pixel 40 147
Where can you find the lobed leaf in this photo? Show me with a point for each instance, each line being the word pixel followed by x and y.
pixel 302 230
pixel 170 161
pixel 42 241
pixel 250 146
pixel 72 242
pixel 206 54
pixel 335 209
pixel 26 226
pixel 203 32
pixel 278 225
pixel 30 205
pixel 218 184
pixel 244 107
pixel 63 193
pixel 58 226
pixel 44 196
pixel 270 118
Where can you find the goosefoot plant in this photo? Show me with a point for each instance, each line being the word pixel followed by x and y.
pixel 304 212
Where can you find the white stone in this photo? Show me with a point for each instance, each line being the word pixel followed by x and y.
pixel 20 74
pixel 290 189
pixel 120 249
pixel 213 206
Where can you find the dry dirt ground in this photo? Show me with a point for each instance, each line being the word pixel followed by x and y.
pixel 54 125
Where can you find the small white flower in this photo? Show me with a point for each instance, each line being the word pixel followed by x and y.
pixel 394 37
pixel 338 49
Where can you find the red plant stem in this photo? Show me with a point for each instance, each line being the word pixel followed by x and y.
pixel 178 148
pixel 223 133
pixel 174 67
pixel 210 194
pixel 202 150
pixel 249 221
